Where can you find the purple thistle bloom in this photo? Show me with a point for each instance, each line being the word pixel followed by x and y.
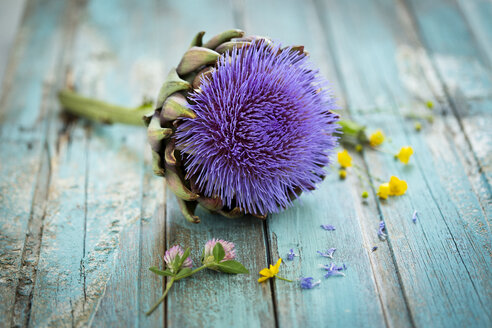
pixel 308 283
pixel 415 216
pixel 230 252
pixel 170 255
pixel 333 270
pixel 381 232
pixel 263 131
pixel 328 227
pixel 328 253
pixel 291 255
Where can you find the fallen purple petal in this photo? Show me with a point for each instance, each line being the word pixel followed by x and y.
pixel 381 232
pixel 415 216
pixel 308 283
pixel 291 255
pixel 328 253
pixel 328 227
pixel 333 270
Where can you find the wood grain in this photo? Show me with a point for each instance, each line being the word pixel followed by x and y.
pixel 461 56
pixel 25 110
pixel 445 249
pixel 82 217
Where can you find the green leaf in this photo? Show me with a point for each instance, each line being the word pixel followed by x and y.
pixel 184 257
pixel 183 272
pixel 232 267
pixel 156 270
pixel 218 252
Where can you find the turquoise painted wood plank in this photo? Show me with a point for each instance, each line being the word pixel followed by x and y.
pixel 141 243
pixel 450 226
pixel 466 75
pixel 24 165
pixel 479 117
pixel 100 277
pixel 106 256
pixel 370 294
pixel 477 15
pixel 210 298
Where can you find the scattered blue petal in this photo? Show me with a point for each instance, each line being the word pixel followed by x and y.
pixel 291 255
pixel 415 216
pixel 328 227
pixel 308 283
pixel 381 232
pixel 374 248
pixel 333 270
pixel 328 253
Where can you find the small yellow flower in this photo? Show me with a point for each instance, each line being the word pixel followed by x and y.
pixel 397 187
pixel 271 272
pixel 418 126
pixel 404 154
pixel 358 148
pixel 365 194
pixel 342 174
pixel 376 138
pixel 344 158
pixel 430 104
pixel 384 190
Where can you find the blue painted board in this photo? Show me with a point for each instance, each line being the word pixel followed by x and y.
pixel 462 57
pixel 82 217
pixel 24 157
pixel 448 226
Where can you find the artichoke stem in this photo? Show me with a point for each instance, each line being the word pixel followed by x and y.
pixel 100 111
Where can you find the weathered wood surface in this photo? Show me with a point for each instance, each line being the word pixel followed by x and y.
pixel 82 217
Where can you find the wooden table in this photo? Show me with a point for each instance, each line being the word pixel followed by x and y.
pixel 82 217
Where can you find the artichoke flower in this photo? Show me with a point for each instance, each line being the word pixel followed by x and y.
pixel 241 126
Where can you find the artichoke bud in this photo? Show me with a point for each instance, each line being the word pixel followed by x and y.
pixel 173 110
